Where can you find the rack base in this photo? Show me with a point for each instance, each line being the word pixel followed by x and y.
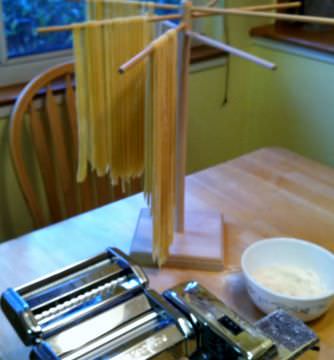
pixel 200 247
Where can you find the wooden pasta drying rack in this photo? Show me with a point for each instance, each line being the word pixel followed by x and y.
pixel 198 237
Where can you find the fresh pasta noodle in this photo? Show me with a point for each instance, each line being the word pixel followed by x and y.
pixel 127 90
pixel 96 98
pixel 94 10
pixel 111 106
pixel 161 143
pixel 108 9
pixel 81 103
pixel 128 120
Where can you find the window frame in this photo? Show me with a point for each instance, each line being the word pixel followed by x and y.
pixel 22 69
pixel 3 44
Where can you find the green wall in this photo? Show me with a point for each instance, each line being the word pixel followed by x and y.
pixel 294 107
pixel 218 131
pixel 14 216
pixel 290 107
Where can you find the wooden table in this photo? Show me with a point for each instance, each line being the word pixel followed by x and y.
pixel 271 192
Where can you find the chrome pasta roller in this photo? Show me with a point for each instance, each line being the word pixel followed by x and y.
pixel 102 308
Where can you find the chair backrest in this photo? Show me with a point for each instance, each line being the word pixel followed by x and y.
pixel 43 123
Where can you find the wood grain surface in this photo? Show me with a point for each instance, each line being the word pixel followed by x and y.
pixel 271 192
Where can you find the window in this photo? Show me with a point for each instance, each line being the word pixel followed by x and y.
pixel 318 37
pixel 25 53
pixel 22 18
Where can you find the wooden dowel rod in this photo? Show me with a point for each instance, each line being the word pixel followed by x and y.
pixel 136 59
pixel 182 122
pixel 165 17
pixel 256 8
pixel 101 22
pixel 281 6
pixel 145 4
pixel 57 28
pixel 212 3
pixel 149 4
pixel 142 54
pixel 287 17
pixel 142 3
pixel 232 50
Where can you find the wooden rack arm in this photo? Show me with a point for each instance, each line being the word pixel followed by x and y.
pixel 287 17
pixel 207 11
pixel 268 7
pixel 101 22
pixel 165 17
pixel 281 6
pixel 212 3
pixel 142 3
pixel 142 54
pixel 136 59
pixel 150 4
pixel 146 4
pixel 232 50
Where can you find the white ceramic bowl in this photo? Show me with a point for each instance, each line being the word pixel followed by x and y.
pixel 289 252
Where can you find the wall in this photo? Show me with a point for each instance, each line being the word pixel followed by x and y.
pixel 14 216
pixel 293 107
pixel 219 131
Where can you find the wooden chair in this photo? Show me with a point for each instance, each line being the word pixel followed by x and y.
pixel 46 139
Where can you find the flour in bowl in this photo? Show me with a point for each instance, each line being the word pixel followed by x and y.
pixel 291 281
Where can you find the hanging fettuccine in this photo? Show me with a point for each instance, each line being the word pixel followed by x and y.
pixel 111 113
pixel 111 106
pixel 160 153
pixel 127 149
pixel 107 9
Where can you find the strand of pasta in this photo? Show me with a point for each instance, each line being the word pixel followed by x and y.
pixel 127 102
pixel 111 106
pixel 148 136
pixel 108 9
pixel 101 123
pixel 81 101
pixel 148 133
pixel 96 99
pixel 172 76
pixel 108 58
pixel 162 182
pixel 88 54
pixel 113 119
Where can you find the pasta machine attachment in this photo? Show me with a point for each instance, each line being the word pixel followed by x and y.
pixel 222 334
pixel 102 308
pixel 98 308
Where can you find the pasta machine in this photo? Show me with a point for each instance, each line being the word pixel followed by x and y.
pixel 103 308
